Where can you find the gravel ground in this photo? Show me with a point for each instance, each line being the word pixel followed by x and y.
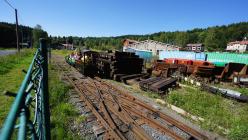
pixel 175 129
pixel 84 129
pixel 154 133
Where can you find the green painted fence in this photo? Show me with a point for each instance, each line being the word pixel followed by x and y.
pixel 29 114
pixel 223 58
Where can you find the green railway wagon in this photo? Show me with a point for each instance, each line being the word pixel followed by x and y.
pixel 223 58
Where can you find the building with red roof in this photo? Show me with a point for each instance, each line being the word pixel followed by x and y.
pixel 237 46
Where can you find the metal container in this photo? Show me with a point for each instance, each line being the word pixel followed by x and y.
pixel 182 55
pixel 222 58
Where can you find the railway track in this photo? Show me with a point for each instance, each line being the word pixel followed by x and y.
pixel 121 115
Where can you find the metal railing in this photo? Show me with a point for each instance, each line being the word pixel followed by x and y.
pixel 29 115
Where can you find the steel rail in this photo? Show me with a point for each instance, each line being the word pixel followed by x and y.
pixel 107 113
pixel 167 118
pixel 153 123
pixel 90 105
pixel 117 108
pixel 129 107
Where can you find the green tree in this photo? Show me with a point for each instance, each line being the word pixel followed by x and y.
pixel 182 38
pixel 215 40
pixel 37 34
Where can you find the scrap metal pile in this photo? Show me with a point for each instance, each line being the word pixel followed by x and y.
pixel 202 70
pixel 202 73
pixel 122 66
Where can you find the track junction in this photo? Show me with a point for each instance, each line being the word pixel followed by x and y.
pixel 120 115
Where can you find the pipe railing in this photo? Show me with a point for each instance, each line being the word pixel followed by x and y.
pixel 30 113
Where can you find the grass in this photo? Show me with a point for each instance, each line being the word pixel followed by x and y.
pixel 9 62
pixel 62 113
pixel 11 76
pixel 217 111
pixel 62 52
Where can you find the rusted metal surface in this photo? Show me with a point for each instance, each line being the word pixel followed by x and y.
pixel 236 72
pixel 241 78
pixel 230 70
pixel 158 84
pixel 167 69
pixel 183 67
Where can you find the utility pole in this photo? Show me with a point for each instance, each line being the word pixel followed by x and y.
pixel 17 36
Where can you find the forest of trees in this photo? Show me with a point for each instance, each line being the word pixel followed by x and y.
pixel 214 38
pixel 26 34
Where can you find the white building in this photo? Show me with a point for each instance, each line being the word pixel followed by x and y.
pixel 150 45
pixel 238 46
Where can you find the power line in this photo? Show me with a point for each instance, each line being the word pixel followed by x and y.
pixel 9 4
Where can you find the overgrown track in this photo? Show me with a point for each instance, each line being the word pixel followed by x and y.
pixel 121 114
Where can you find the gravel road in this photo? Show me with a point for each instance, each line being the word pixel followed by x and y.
pixel 7 52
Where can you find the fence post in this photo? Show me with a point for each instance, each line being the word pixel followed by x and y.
pixel 45 94
pixel 49 54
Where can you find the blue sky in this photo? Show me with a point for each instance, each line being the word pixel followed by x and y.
pixel 121 17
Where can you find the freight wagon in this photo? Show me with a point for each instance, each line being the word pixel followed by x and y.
pixel 221 59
